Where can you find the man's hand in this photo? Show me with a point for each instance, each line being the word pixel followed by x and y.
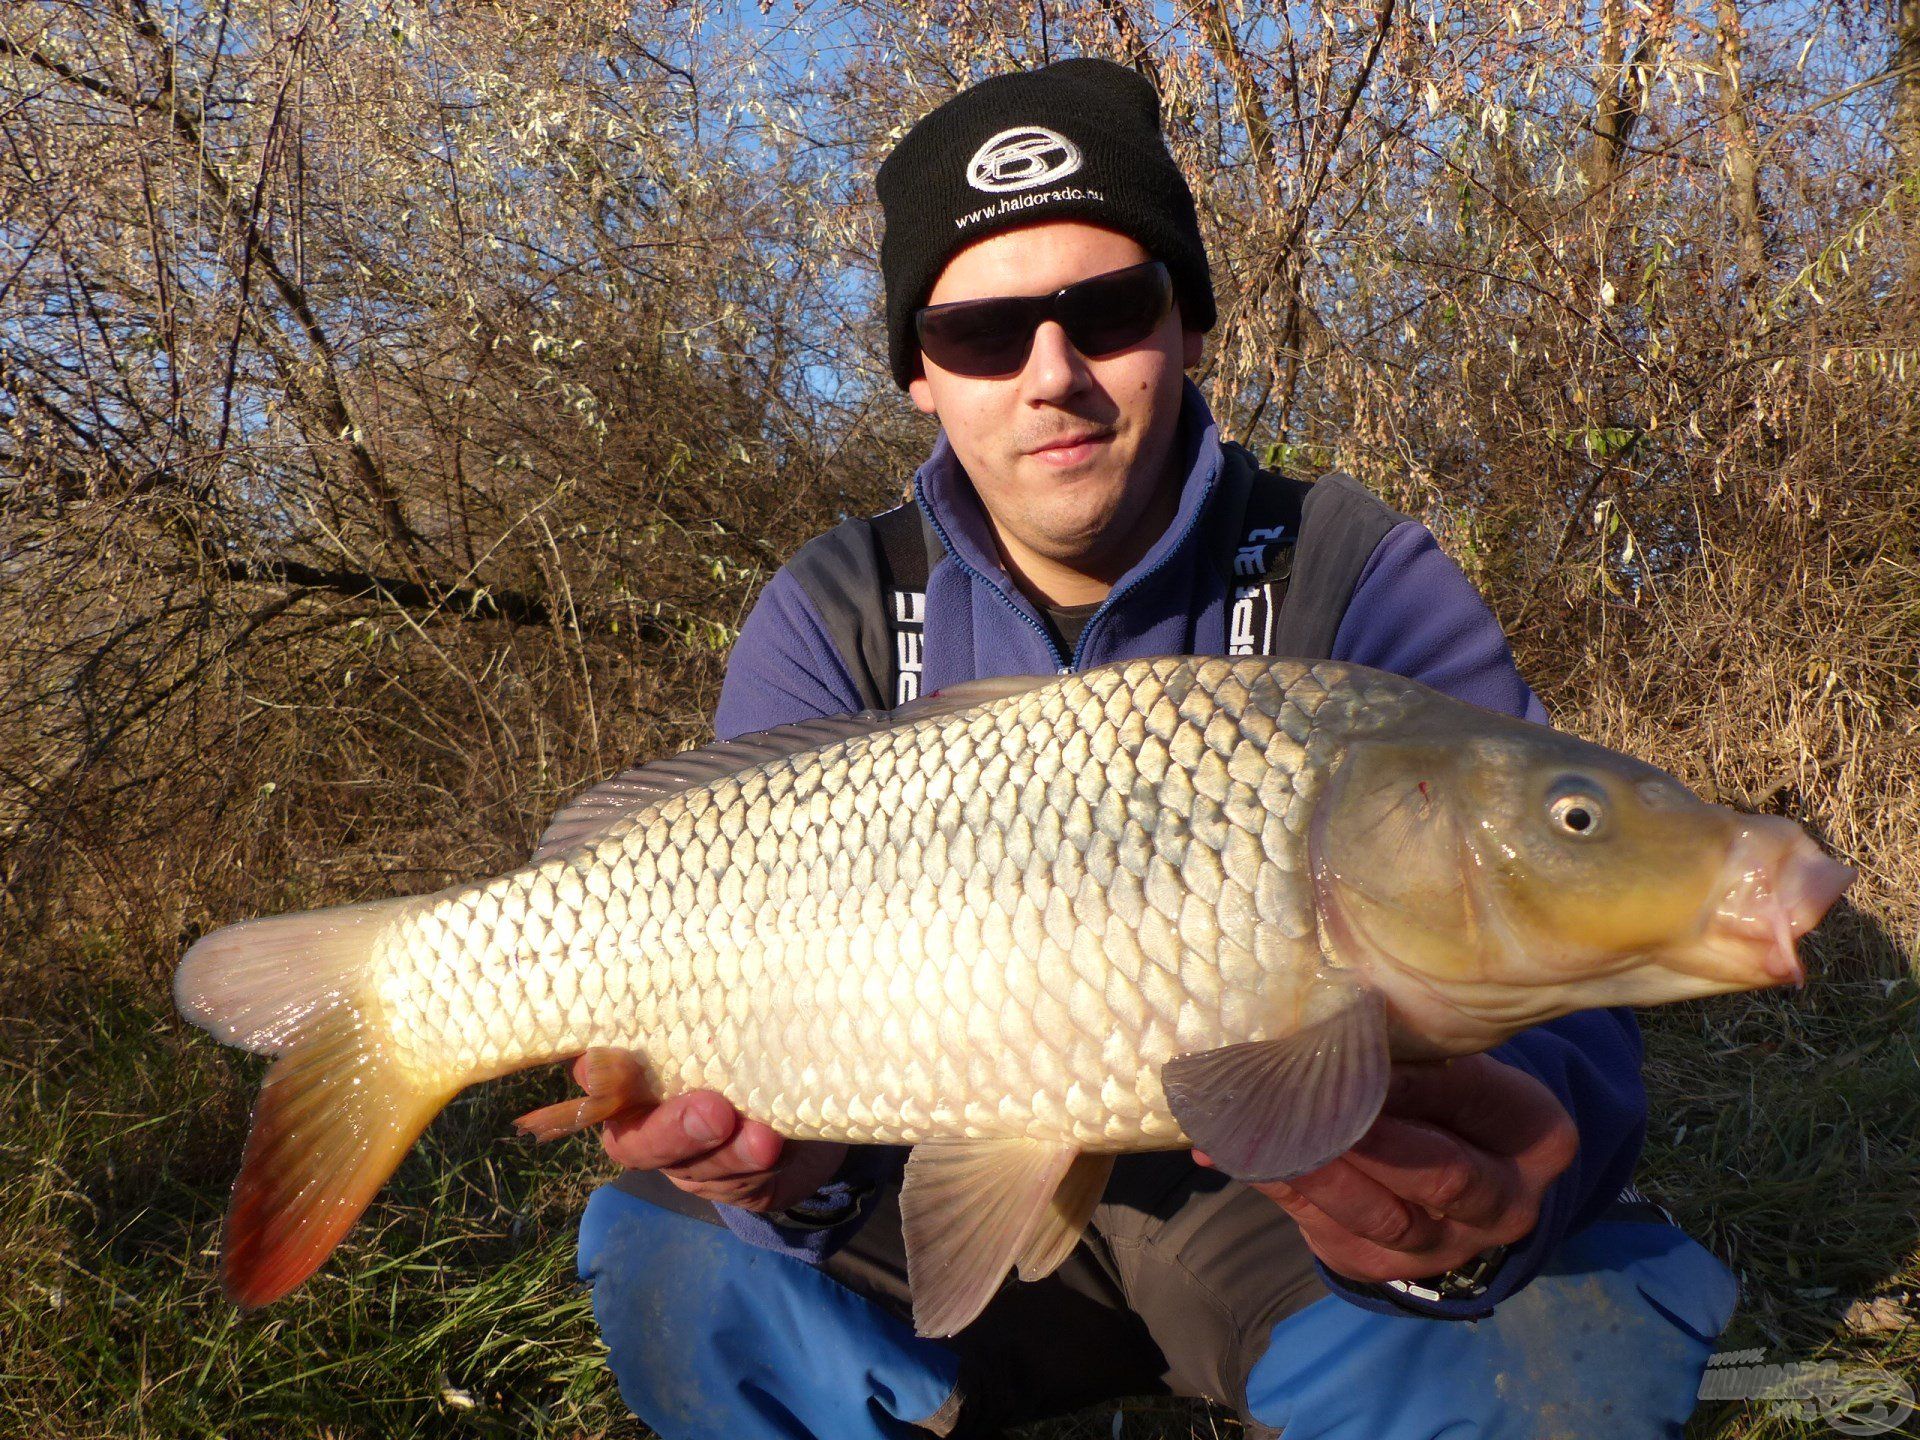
pixel 1456 1163
pixel 704 1146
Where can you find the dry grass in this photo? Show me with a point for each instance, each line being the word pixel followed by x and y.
pixel 1786 1134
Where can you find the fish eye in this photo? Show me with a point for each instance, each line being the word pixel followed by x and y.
pixel 1577 814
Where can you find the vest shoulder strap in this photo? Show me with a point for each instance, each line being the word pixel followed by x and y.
pixel 1255 532
pixel 867 579
pixel 841 574
pixel 1294 552
pixel 907 550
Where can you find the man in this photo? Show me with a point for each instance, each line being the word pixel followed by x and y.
pixel 1472 1265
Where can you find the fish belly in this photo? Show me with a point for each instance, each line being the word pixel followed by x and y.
pixel 999 922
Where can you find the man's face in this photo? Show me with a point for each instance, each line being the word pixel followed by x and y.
pixel 1069 454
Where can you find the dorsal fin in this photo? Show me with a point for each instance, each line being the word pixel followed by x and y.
pixel 952 699
pixel 596 811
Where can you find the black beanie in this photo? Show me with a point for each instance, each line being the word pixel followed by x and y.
pixel 1078 140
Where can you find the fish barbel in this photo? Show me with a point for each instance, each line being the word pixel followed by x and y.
pixel 1024 926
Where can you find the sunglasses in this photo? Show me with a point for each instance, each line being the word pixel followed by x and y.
pixel 1107 313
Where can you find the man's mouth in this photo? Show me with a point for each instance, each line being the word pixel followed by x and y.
pixel 1071 449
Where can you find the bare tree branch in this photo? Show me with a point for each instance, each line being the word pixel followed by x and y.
pixel 1743 168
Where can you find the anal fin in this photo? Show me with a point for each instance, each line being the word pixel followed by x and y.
pixel 614 1082
pixel 970 1209
pixel 1065 1219
pixel 1272 1109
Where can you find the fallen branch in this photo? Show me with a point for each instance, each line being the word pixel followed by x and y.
pixel 459 602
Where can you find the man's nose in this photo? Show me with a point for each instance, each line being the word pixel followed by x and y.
pixel 1054 366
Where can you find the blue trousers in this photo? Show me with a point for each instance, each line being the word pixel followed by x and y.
pixel 713 1339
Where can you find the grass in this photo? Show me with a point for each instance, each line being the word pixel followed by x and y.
pixel 1786 1134
pixel 451 1311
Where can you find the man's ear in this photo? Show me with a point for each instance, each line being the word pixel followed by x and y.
pixel 1192 342
pixel 922 393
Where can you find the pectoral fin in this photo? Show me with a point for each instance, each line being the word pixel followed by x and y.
pixel 1271 1109
pixel 970 1209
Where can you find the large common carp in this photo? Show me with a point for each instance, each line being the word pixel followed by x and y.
pixel 1024 925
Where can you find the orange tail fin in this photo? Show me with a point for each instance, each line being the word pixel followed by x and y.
pixel 333 1122
pixel 337 1112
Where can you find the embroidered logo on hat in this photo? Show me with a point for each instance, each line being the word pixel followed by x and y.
pixel 1021 158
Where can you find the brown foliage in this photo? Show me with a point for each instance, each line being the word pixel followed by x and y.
pixel 399 416
pixel 399 406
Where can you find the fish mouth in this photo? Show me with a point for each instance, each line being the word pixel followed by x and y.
pixel 1775 886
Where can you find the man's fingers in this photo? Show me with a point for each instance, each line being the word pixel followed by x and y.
pixel 752 1193
pixel 1361 1205
pixel 1496 1106
pixel 802 1167
pixel 677 1132
pixel 1437 1171
pixel 1359 1259
pixel 752 1151
pixel 1456 1162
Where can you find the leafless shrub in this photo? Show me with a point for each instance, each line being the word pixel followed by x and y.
pixel 398 407
pixel 398 414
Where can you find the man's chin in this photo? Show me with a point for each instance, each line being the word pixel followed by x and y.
pixel 1070 538
pixel 1102 474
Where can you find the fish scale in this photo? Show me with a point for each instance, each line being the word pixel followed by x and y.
pixel 798 1008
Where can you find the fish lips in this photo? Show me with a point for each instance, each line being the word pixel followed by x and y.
pixel 1774 887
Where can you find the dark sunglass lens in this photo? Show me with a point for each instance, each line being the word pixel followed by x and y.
pixel 1111 312
pixel 986 337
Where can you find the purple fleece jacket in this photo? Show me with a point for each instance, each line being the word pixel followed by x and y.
pixel 1414 613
